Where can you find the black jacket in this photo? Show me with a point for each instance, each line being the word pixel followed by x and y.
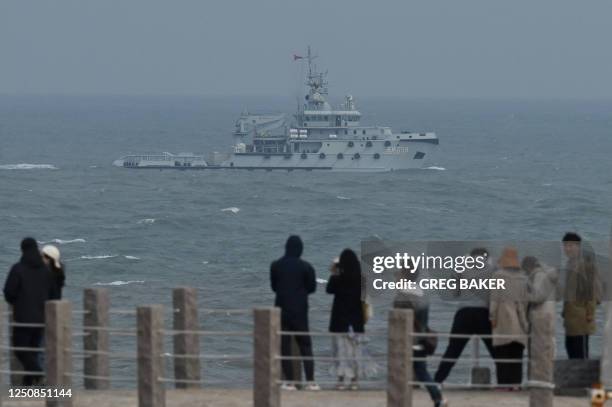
pixel 347 309
pixel 27 287
pixel 292 279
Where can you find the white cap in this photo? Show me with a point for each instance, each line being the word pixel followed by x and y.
pixel 53 253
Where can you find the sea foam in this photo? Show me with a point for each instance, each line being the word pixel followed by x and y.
pixel 61 241
pixel 148 221
pixel 231 209
pixel 121 282
pixel 24 166
pixel 102 256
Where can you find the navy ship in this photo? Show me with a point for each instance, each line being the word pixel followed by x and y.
pixel 317 137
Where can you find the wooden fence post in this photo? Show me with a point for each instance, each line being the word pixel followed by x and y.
pixel 96 305
pixel 150 322
pixel 399 354
pixel 266 349
pixel 541 360
pixel 58 345
pixel 185 317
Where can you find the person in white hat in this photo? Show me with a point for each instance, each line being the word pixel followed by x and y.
pixel 51 256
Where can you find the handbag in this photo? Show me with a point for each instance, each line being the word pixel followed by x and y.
pixel 367 310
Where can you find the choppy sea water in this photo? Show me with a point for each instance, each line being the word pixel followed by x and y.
pixel 524 170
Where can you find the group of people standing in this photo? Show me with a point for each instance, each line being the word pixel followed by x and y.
pixel 37 277
pixel 501 318
pixel 293 280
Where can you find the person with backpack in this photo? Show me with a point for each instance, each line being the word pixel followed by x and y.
pixel 416 301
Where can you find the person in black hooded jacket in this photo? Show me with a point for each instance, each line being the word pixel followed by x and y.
pixel 293 280
pixel 27 288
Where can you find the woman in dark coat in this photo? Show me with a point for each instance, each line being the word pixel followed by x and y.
pixel 347 318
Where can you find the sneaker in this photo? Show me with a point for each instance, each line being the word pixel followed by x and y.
pixel 354 386
pixel 340 386
pixel 312 387
pixel 442 403
pixel 288 386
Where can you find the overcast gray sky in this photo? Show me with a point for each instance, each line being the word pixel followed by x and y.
pixel 430 48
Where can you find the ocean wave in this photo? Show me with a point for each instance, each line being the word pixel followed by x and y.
pixel 61 241
pixel 121 282
pixel 231 209
pixel 147 221
pixel 132 257
pixel 102 256
pixel 436 168
pixel 343 198
pixel 24 166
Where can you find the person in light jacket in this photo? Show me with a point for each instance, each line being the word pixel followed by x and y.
pixel 542 288
pixel 508 313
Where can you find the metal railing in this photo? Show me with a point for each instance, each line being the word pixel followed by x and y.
pixel 150 354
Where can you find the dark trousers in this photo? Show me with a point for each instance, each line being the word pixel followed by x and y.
pixel 304 344
pixel 467 321
pixel 28 338
pixel 422 375
pixel 509 372
pixel 577 346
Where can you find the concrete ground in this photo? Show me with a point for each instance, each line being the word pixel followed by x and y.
pixel 242 398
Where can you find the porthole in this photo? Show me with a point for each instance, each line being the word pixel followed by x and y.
pixel 304 156
pixel 340 156
pixel 356 156
pixel 322 155
pixel 376 156
pixel 368 144
pixel 351 144
pixel 387 143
